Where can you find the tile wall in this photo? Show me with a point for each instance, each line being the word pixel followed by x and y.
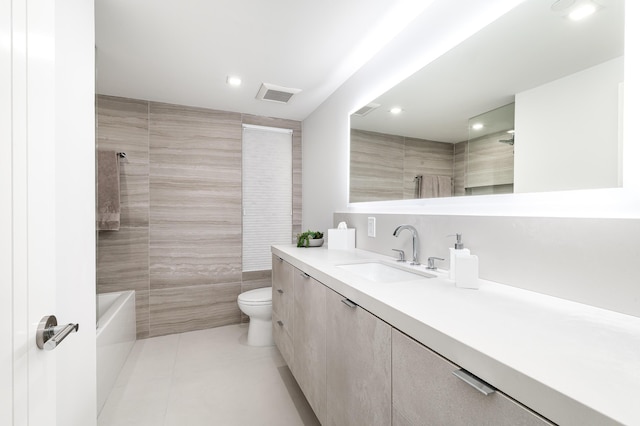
pixel 180 241
pixel 383 166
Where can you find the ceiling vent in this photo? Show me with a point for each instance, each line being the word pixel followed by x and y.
pixel 366 110
pixel 273 93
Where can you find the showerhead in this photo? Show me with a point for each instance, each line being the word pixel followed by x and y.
pixel 508 141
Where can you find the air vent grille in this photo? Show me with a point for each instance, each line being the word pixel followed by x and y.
pixel 273 93
pixel 366 110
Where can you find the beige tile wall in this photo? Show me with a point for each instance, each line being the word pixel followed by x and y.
pixel 180 241
pixel 383 166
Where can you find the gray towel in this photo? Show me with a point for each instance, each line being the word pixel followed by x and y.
pixel 108 208
pixel 429 187
pixel 444 186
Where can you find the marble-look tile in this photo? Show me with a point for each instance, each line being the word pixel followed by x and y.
pixel 194 137
pixel 204 195
pixel 176 310
pixel 123 260
pixel 376 170
pixel 256 279
pixel 459 168
pixel 142 314
pixel 253 280
pixel 426 158
pixel 134 194
pixel 489 162
pixel 123 125
pixel 194 254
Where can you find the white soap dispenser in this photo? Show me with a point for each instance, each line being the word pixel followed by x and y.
pixel 456 250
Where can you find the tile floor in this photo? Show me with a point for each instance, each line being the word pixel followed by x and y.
pixel 207 377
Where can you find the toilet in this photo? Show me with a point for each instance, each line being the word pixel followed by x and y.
pixel 256 304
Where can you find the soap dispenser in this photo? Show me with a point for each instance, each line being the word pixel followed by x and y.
pixel 456 250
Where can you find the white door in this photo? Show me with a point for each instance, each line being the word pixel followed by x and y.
pixel 47 244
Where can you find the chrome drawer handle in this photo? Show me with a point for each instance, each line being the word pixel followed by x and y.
pixel 305 275
pixel 349 303
pixel 280 323
pixel 476 383
pixel 280 291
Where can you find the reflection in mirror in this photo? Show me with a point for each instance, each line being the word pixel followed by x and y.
pixel 563 81
pixel 488 166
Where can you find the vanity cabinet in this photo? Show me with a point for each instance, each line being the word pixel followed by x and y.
pixel 282 306
pixel 426 392
pixel 310 342
pixel 358 365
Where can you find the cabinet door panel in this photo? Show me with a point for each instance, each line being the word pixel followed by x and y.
pixel 358 366
pixel 425 392
pixel 309 341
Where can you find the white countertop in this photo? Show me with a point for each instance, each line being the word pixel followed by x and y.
pixel 572 363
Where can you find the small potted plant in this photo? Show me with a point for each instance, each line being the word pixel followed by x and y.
pixel 310 239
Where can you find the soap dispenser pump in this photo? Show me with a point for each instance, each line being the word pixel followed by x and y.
pixel 456 250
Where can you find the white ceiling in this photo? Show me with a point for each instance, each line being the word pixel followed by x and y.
pixel 527 47
pixel 182 51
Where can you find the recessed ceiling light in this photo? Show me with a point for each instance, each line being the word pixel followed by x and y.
pixel 395 110
pixel 234 81
pixel 511 132
pixel 582 11
pixel 477 126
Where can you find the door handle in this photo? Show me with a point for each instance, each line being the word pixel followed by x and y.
pixel 49 334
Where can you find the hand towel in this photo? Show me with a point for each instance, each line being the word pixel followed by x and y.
pixel 108 203
pixel 429 187
pixel 444 186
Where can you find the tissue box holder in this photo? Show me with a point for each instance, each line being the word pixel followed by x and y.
pixel 342 239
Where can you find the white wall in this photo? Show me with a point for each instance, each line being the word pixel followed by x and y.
pixel 567 131
pixel 325 180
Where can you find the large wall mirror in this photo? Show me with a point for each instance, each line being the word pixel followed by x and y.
pixel 531 103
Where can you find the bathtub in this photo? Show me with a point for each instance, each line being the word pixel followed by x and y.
pixel 115 336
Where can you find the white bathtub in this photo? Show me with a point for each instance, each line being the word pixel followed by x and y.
pixel 115 336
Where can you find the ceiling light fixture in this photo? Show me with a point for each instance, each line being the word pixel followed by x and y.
pixel 395 110
pixel 582 11
pixel 234 81
pixel 477 126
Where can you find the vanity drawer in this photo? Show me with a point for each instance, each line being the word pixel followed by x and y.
pixel 282 339
pixel 428 386
pixel 282 291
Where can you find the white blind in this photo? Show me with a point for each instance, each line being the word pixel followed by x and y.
pixel 266 194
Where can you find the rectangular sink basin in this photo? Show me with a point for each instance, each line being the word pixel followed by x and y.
pixel 382 272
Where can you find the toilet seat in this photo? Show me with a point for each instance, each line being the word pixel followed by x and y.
pixel 259 296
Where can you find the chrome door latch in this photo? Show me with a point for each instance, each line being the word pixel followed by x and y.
pixel 49 334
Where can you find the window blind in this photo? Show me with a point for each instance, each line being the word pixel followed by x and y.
pixel 266 194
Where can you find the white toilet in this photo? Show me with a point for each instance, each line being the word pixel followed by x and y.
pixel 256 304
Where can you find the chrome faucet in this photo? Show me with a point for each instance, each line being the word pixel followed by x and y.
pixel 416 241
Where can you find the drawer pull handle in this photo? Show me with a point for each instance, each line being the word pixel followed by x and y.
pixel 280 291
pixel 476 383
pixel 349 303
pixel 280 323
pixel 305 275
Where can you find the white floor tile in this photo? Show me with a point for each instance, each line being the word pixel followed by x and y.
pixel 206 377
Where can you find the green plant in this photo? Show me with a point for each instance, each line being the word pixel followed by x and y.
pixel 303 239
